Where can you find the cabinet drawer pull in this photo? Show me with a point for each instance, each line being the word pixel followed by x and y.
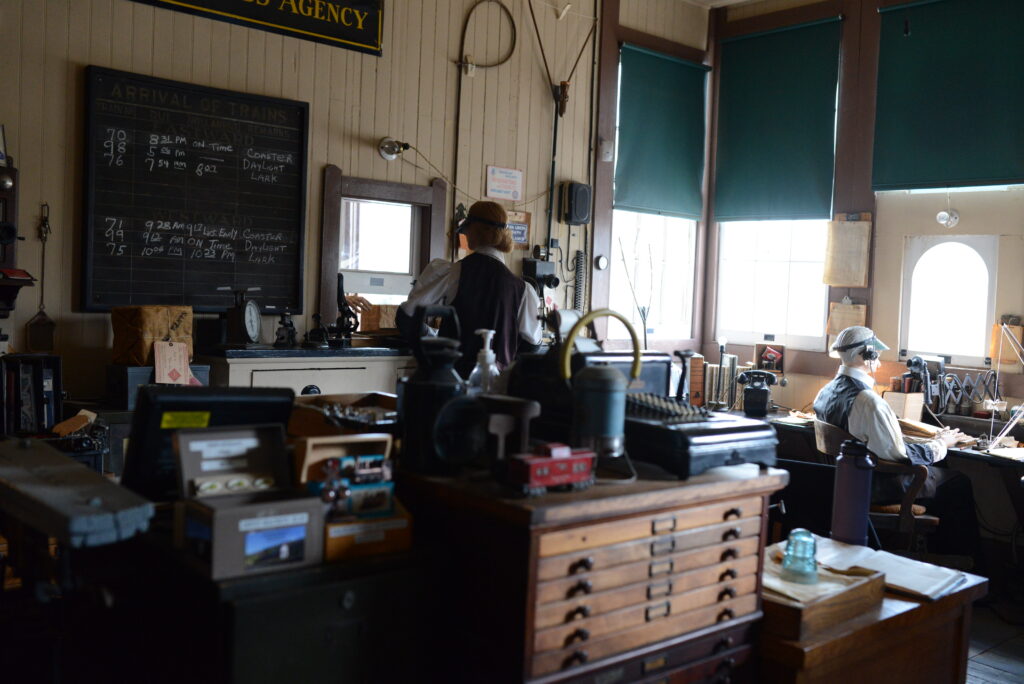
pixel 728 574
pixel 577 612
pixel 660 589
pixel 724 644
pixel 726 614
pixel 726 665
pixel 577 658
pixel 582 565
pixel 732 513
pixel 727 593
pixel 729 554
pixel 664 567
pixel 660 547
pixel 729 535
pixel 663 525
pixel 581 587
pixel 578 634
pixel 659 611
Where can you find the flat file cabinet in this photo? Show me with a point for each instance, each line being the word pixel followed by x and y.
pixel 656 579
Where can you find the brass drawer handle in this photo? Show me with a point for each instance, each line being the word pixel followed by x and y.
pixel 731 513
pixel 724 644
pixel 581 587
pixel 660 589
pixel 729 535
pixel 577 612
pixel 728 574
pixel 578 634
pixel 659 611
pixel 726 614
pixel 582 565
pixel 664 567
pixel 660 547
pixel 729 554
pixel 727 593
pixel 663 525
pixel 577 658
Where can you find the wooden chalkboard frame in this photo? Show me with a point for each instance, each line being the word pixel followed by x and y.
pixel 302 167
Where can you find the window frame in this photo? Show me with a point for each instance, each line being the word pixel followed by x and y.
pixel 429 202
pixel 916 246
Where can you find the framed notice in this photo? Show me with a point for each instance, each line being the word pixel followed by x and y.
pixel 504 184
pixel 519 226
pixel 351 24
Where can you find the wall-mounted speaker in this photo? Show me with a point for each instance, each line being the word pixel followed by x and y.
pixel 574 201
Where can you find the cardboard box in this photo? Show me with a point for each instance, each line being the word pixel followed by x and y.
pixel 243 518
pixel 379 317
pixel 359 538
pixel 309 419
pixel 136 328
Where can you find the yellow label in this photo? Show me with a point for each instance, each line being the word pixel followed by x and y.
pixel 184 419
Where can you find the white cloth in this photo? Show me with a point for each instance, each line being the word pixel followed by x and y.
pixel 873 422
pixel 439 283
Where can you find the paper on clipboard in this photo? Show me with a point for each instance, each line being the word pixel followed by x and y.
pixel 842 316
pixel 847 253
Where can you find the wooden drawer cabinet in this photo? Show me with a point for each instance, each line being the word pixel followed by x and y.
pixel 568 585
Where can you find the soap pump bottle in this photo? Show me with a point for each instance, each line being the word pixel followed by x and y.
pixel 485 373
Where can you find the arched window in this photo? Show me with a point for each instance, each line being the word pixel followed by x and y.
pixel 949 296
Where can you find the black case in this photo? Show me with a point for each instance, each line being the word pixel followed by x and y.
pixel 123 383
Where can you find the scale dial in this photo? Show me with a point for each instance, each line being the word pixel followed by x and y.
pixel 252 320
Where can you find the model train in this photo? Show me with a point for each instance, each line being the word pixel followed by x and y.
pixel 552 465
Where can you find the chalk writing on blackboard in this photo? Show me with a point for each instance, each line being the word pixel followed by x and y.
pixel 189 189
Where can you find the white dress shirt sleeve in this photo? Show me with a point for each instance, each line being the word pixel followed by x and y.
pixel 437 284
pixel 529 317
pixel 873 422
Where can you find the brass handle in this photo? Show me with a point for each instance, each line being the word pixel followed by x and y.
pixel 582 565
pixel 653 593
pixel 728 574
pixel 731 513
pixel 727 593
pixel 663 525
pixel 724 644
pixel 659 611
pixel 662 546
pixel 726 614
pixel 581 587
pixel 729 554
pixel 578 634
pixel 729 535
pixel 664 567
pixel 577 612
pixel 577 658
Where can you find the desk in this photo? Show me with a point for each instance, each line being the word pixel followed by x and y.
pixel 902 640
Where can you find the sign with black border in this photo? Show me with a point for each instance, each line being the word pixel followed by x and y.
pixel 351 24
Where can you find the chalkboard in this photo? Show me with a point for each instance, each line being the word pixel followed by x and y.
pixel 189 189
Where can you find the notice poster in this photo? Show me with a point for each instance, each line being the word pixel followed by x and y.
pixel 504 184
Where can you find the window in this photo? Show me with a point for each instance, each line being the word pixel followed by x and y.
pixel 378 244
pixel 653 269
pixel 770 283
pixel 944 277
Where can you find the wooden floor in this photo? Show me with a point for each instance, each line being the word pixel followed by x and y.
pixel 996 650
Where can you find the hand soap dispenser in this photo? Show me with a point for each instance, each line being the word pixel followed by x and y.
pixel 485 374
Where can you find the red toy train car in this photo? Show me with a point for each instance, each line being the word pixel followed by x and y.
pixel 551 465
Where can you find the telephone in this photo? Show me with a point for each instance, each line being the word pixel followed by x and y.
pixel 757 396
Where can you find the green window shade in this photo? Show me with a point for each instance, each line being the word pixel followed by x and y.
pixel 950 108
pixel 776 124
pixel 660 158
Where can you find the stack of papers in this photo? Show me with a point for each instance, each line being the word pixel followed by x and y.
pixel 901 574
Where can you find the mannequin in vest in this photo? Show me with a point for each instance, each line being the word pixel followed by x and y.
pixel 850 402
pixel 484 292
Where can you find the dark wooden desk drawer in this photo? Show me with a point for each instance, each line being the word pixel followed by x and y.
pixel 644 571
pixel 628 639
pixel 644 549
pixel 643 526
pixel 583 630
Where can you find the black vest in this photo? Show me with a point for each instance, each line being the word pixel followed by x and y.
pixel 488 296
pixel 835 400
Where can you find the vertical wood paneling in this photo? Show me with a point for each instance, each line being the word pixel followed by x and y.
pixel 672 19
pixel 354 100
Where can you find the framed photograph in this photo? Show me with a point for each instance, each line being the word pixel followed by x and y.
pixel 3 147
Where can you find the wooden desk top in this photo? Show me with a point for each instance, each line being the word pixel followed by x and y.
pixel 655 489
pixel 896 617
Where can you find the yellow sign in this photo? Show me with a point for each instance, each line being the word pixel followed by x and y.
pixel 172 420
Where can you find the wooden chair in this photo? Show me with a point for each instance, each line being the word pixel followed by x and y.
pixel 907 518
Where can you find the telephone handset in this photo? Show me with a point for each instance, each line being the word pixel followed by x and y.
pixel 757 378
